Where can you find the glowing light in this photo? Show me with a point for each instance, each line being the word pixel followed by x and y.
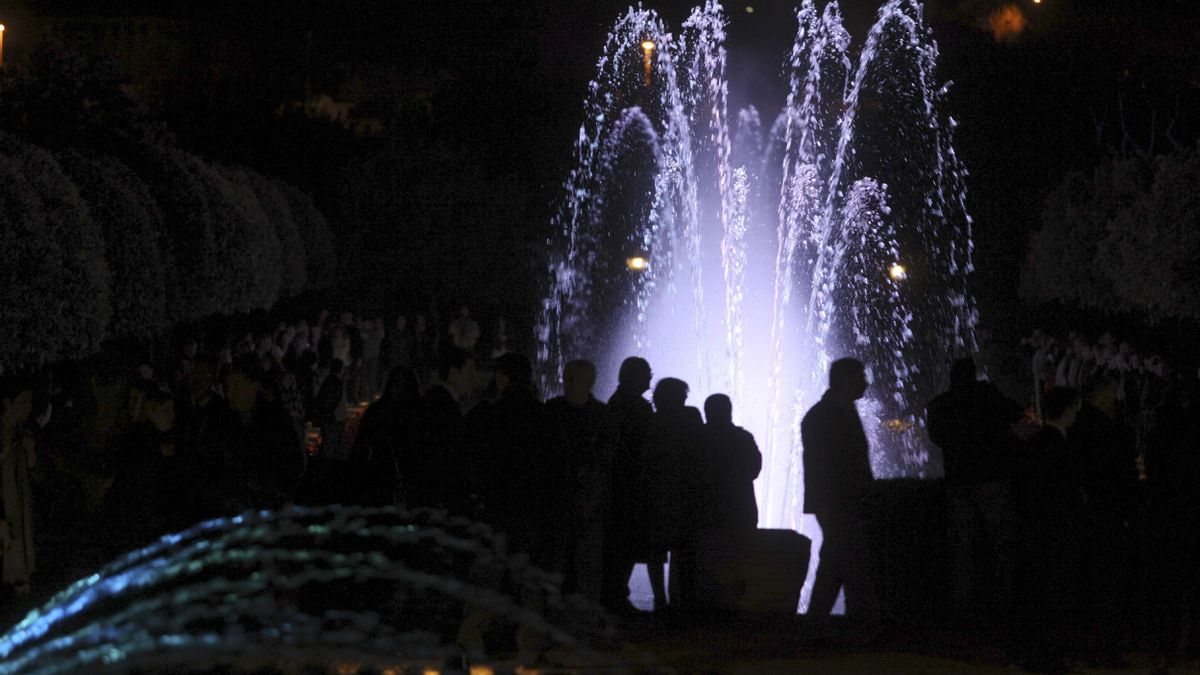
pixel 1 28
pixel 898 272
pixel 749 9
pixel 648 57
pixel 1037 2
pixel 482 670
pixel 637 264
pixel 1007 23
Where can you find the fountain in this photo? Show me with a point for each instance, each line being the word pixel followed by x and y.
pixel 329 589
pixel 754 262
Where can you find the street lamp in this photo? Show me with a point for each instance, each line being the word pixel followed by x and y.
pixel 637 263
pixel 898 272
pixel 647 54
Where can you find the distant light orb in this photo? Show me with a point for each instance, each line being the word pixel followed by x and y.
pixel 648 45
pixel 1037 2
pixel 898 272
pixel 1 28
pixel 637 263
pixel 750 8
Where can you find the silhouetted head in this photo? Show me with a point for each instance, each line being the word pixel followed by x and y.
pixel 1101 392
pixel 456 369
pixel 670 394
pixel 718 410
pixel 634 374
pixel 402 384
pixel 159 409
pixel 513 370
pixel 848 379
pixel 16 395
pixel 243 385
pixel 962 372
pixel 202 376
pixel 1059 406
pixel 579 376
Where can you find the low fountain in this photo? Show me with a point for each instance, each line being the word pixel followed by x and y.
pixel 745 265
pixel 332 589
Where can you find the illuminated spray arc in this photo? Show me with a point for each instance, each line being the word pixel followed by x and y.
pixel 842 232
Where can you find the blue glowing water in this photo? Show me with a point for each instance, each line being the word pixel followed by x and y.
pixel 769 257
pixel 301 588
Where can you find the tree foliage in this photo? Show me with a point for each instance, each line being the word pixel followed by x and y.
pixel 319 247
pixel 200 285
pixel 123 233
pixel 30 271
pixel 1124 239
pixel 275 206
pixel 84 285
pixel 246 243
pixel 131 222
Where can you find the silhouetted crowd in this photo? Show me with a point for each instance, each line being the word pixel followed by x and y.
pixel 1071 522
pixel 345 409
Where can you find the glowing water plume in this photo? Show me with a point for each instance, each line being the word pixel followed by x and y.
pixel 379 588
pixel 895 142
pixel 769 256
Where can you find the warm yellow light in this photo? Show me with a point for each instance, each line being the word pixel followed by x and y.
pixel 482 670
pixel 648 45
pixel 898 272
pixel 637 263
pixel 1037 2
pixel 749 9
pixel 1 28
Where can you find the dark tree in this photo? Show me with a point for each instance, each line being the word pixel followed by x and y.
pixel 82 294
pixel 1124 239
pixel 121 204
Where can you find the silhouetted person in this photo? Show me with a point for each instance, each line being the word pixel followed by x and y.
pixel 1107 460
pixel 432 470
pixel 631 418
pixel 387 429
pixel 837 481
pixel 579 433
pixel 329 413
pixel 1050 504
pixel 17 458
pixel 734 461
pixel 510 458
pixel 673 475
pixel 1173 521
pixel 973 425
pixel 142 497
pixel 200 419
pixel 263 462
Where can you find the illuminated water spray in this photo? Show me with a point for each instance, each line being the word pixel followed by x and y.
pixel 332 590
pixel 843 232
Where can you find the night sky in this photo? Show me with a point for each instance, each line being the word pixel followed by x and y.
pixel 496 87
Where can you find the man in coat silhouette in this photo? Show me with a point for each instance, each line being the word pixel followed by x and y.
pixel 837 479
pixel 631 419
pixel 734 462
